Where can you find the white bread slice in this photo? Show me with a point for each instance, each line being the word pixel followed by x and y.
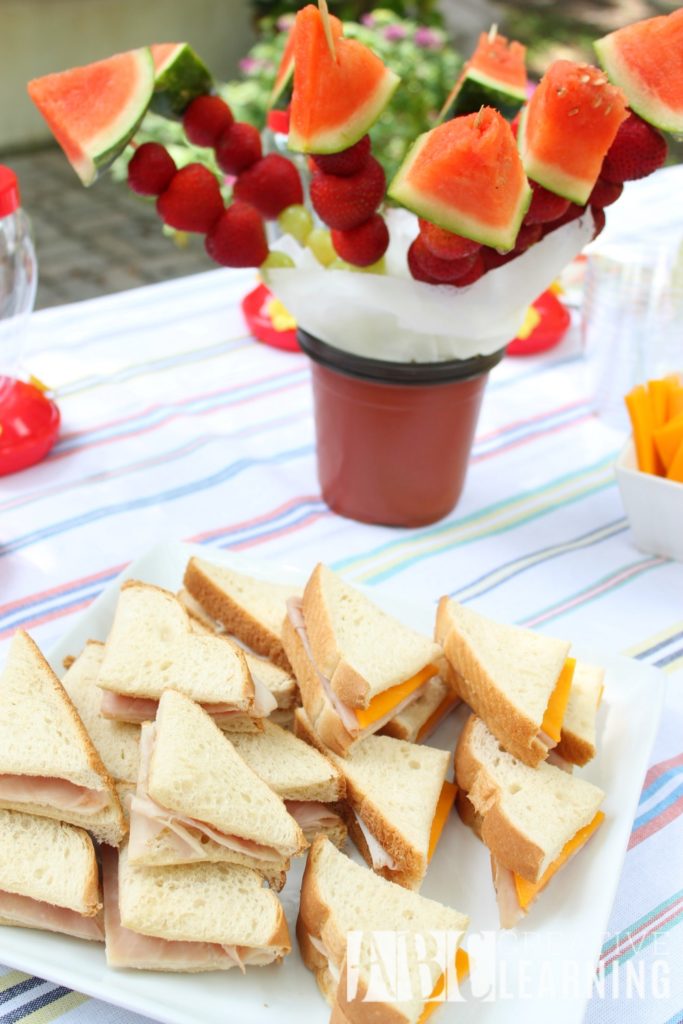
pixel 204 903
pixel 195 772
pixel 394 787
pixel 438 700
pixel 507 674
pixel 361 649
pixel 152 647
pixel 42 735
pixel 49 861
pixel 249 608
pixel 279 681
pixel 291 768
pixel 117 743
pixel 301 775
pixel 528 815
pixel 577 741
pixel 338 897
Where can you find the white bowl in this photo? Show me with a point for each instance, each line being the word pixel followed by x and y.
pixel 654 506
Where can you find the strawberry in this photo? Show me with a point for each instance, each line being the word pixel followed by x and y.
pixel 545 205
pixel 270 185
pixel 192 201
pixel 637 151
pixel 205 120
pixel 477 270
pixel 150 169
pixel 238 148
pixel 527 236
pixel 572 213
pixel 433 268
pixel 604 193
pixel 599 220
pixel 493 259
pixel 348 162
pixel 238 237
pixel 363 245
pixel 446 244
pixel 344 203
pixel 514 125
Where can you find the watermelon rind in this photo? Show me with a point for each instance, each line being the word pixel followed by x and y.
pixel 334 140
pixel 576 190
pixel 285 71
pixel 446 216
pixel 476 89
pixel 641 100
pixel 180 79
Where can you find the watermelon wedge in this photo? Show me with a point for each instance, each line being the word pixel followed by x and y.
pixel 646 61
pixel 466 176
pixel 494 76
pixel 336 98
pixel 285 69
pixel 567 127
pixel 93 111
pixel 180 76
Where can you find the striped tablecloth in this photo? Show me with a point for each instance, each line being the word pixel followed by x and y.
pixel 177 425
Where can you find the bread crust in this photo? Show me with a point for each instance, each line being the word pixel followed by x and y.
pixel 412 863
pixel 506 842
pixel 116 828
pixel 324 720
pixel 350 687
pixel 575 749
pixel 517 732
pixel 233 616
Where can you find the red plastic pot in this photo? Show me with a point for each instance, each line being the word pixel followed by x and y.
pixel 393 439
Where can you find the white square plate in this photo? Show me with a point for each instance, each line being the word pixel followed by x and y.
pixel 535 968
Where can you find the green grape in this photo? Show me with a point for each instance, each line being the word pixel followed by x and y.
pixel 340 264
pixel 296 221
pixel 380 267
pixel 277 259
pixel 320 243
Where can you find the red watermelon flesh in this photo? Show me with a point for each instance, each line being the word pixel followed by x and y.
pixel 646 61
pixel 162 52
pixel 93 111
pixel 336 98
pixel 497 66
pixel 567 127
pixel 286 67
pixel 466 176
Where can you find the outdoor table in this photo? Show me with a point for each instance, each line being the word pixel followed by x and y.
pixel 178 425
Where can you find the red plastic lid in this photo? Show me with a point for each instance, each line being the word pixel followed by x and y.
pixel 278 121
pixel 29 423
pixel 550 330
pixel 255 309
pixel 9 191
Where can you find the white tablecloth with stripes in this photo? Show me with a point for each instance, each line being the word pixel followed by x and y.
pixel 176 424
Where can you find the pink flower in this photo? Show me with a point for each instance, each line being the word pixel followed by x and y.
pixel 394 33
pixel 368 20
pixel 427 38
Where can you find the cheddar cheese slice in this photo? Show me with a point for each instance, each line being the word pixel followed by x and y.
pixel 557 705
pixel 462 969
pixel 675 470
pixel 443 809
pixel 640 413
pixel 383 703
pixel 528 891
pixel 449 701
pixel 668 439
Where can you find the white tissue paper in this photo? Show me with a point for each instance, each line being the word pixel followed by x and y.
pixel 391 316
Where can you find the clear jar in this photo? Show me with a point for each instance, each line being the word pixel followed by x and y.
pixel 18 277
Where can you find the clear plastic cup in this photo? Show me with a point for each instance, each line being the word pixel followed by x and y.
pixel 393 439
pixel 632 321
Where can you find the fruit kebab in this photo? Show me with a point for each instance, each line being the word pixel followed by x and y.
pixel 485 191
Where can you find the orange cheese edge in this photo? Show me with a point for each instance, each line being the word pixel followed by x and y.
pixel 640 413
pixel 449 701
pixel 559 698
pixel 675 470
pixel 528 891
pixel 443 809
pixel 462 969
pixel 382 704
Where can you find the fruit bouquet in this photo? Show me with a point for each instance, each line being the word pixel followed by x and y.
pixel 479 219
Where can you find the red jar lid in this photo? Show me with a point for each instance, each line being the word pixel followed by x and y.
pixel 278 121
pixel 9 191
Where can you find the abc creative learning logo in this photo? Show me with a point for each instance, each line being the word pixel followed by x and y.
pixel 402 967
